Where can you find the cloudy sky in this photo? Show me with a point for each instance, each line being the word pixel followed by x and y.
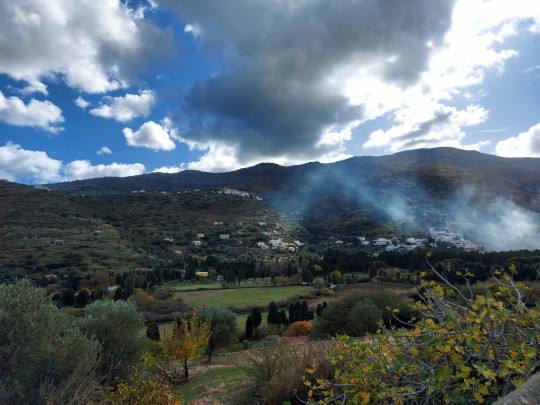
pixel 117 88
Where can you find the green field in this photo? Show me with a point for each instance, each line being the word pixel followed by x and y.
pixel 242 297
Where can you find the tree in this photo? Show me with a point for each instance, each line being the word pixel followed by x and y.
pixel 465 349
pixel 249 327
pixel 187 340
pixel 256 317
pixel 44 358
pixel 223 327
pixel 152 332
pixel 272 317
pixel 83 298
pixel 116 325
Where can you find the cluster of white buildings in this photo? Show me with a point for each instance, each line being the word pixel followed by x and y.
pixel 280 244
pixel 231 191
pixel 455 239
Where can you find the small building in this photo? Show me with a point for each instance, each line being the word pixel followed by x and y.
pixel 196 243
pixel 339 242
pixel 113 288
pixel 58 242
pixel 224 236
pixel 201 273
pixel 168 240
pixel 200 235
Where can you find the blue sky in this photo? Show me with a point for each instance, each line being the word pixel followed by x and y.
pixel 118 88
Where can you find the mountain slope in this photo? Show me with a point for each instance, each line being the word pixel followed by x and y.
pixel 475 193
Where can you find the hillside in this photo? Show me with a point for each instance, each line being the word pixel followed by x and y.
pixel 104 225
pixel 42 231
pixel 409 191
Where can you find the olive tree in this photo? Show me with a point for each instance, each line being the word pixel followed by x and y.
pixel 117 326
pixel 44 357
pixel 223 327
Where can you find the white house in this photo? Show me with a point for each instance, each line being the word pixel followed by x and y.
pixel 380 242
pixel 196 243
pixel 224 236
pixel 200 235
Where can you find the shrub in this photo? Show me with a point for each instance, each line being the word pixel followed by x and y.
pixel 117 326
pixel 44 356
pixel 300 328
pixel 339 317
pixel 459 353
pixel 274 372
pixel 327 292
pixel 141 388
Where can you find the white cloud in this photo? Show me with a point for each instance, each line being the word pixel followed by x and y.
pixel 39 114
pixel 104 151
pixel 17 163
pixel 126 108
pixel 170 169
pixel 95 46
pixel 526 144
pixel 83 169
pixel 81 102
pixel 424 126
pixel 150 135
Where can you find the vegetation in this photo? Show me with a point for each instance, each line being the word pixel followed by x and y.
pixel 360 312
pixel 187 340
pixel 481 348
pixel 45 359
pixel 116 325
pixel 223 328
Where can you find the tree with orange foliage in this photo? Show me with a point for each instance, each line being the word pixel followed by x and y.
pixel 187 340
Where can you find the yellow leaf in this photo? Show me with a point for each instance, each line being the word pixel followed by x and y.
pixel 478 397
pixel 414 351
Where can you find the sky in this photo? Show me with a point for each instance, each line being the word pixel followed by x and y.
pixel 119 88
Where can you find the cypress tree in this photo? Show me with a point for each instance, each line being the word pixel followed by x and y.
pixel 256 317
pixel 153 332
pixel 303 310
pixel 273 317
pixel 249 327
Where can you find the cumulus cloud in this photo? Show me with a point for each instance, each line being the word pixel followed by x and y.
pixel 419 127
pixel 39 114
pixel 150 135
pixel 104 151
pixel 95 46
pixel 330 68
pixel 81 102
pixel 281 90
pixel 123 109
pixel 17 163
pixel 526 144
pixel 83 169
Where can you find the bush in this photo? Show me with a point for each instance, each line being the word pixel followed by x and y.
pixel 44 356
pixel 117 326
pixel 300 328
pixel 339 317
pixel 459 353
pixel 326 292
pixel 274 372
